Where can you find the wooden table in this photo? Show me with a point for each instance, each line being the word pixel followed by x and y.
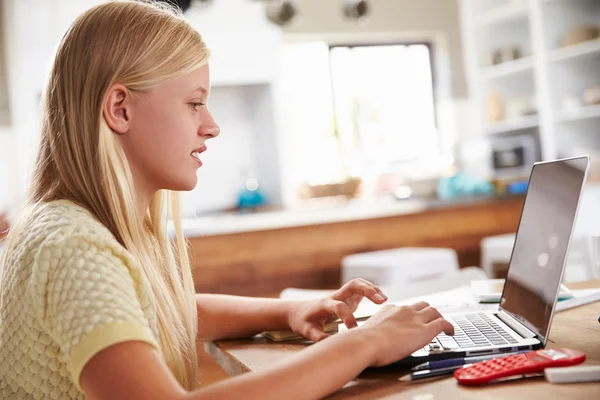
pixel 577 328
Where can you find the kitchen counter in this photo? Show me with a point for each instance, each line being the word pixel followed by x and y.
pixel 323 212
pixel 263 253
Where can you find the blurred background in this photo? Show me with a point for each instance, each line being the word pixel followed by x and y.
pixel 350 126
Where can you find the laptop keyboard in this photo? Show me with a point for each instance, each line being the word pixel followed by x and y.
pixel 471 330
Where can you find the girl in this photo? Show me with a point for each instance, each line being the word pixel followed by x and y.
pixel 96 301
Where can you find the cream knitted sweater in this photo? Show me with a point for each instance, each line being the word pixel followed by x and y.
pixel 68 291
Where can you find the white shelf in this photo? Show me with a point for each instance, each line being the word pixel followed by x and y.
pixel 508 12
pixel 512 125
pixel 582 49
pixel 586 112
pixel 548 73
pixel 520 65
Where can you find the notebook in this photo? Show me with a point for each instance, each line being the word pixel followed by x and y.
pixel 331 328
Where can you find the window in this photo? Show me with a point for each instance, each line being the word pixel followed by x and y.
pixel 359 111
pixel 383 104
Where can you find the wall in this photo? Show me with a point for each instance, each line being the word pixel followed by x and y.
pixel 235 151
pixel 390 21
pixel 4 112
pixel 31 32
pixel 28 56
pixel 244 49
pixel 415 19
pixel 27 52
pixel 231 28
pixel 7 160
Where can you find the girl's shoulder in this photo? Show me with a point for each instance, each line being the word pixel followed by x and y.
pixel 58 221
pixel 64 218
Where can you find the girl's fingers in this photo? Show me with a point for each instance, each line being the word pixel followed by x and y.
pixel 315 334
pixel 342 310
pixel 362 288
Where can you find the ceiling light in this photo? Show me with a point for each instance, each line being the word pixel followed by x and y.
pixel 281 12
pixel 356 9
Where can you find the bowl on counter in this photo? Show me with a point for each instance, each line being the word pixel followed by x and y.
pixel 348 188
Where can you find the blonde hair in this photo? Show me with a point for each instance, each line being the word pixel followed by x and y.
pixel 139 45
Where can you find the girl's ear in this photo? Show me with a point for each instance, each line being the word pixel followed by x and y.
pixel 117 108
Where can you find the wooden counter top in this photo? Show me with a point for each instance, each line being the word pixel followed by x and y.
pixel 309 256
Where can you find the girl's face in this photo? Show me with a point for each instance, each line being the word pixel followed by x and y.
pixel 167 130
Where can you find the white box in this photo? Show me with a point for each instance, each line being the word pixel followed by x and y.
pixel 399 267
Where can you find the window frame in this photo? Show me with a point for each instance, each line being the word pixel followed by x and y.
pixel 432 66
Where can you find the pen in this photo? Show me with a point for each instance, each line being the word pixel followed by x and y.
pixel 433 365
pixel 429 373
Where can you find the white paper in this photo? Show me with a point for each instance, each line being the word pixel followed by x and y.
pixel 580 297
pixel 456 300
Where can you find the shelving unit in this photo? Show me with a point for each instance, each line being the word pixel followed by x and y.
pixel 508 68
pixel 587 49
pixel 582 113
pixel 512 125
pixel 552 74
pixel 501 14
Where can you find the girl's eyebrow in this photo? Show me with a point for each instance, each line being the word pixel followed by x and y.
pixel 200 89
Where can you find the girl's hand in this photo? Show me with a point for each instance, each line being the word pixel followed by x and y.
pixel 396 332
pixel 308 318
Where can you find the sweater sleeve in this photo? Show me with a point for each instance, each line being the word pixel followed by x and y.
pixel 85 298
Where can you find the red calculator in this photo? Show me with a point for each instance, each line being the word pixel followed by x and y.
pixel 518 364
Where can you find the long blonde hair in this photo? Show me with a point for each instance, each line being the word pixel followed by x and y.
pixel 139 45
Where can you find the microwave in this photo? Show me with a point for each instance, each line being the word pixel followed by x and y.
pixel 513 156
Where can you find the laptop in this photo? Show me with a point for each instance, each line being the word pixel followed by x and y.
pixel 535 272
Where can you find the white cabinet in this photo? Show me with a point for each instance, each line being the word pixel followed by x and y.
pixel 555 76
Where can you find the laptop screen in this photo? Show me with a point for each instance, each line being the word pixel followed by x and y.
pixel 538 258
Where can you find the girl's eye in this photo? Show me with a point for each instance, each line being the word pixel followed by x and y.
pixel 195 106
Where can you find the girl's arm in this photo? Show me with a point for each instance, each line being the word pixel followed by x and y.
pixel 225 317
pixel 134 370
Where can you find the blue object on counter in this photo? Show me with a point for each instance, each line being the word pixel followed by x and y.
pixel 519 187
pixel 461 185
pixel 251 196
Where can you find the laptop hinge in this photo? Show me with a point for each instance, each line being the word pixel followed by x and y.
pixel 516 325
